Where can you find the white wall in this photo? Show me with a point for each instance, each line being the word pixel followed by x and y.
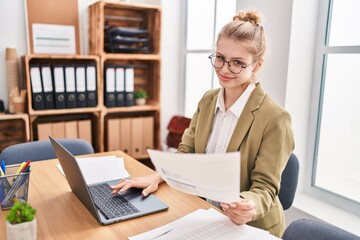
pixel 12 33
pixel 276 20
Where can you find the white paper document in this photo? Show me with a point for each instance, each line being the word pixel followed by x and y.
pixel 212 176
pixel 52 38
pixel 101 169
pixel 204 224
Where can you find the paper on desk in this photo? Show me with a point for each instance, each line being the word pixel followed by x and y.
pixel 204 224
pixel 212 176
pixel 101 169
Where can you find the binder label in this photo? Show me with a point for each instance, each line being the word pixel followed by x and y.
pixel 70 79
pixel 80 79
pixel 46 77
pixel 91 78
pixel 59 79
pixel 35 80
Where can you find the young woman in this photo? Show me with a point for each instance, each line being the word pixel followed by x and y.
pixel 240 116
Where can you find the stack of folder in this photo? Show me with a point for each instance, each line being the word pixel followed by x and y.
pixel 119 86
pixel 125 40
pixel 59 86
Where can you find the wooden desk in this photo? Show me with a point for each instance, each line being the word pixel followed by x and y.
pixel 60 215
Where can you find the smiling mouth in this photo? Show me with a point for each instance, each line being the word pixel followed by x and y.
pixel 223 78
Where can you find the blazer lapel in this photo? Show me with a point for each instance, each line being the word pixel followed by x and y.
pixel 246 118
pixel 205 123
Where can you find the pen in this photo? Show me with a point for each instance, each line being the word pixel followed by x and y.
pixel 3 166
pixel 2 172
pixel 25 166
pixel 20 167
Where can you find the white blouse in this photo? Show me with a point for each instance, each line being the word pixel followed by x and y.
pixel 225 121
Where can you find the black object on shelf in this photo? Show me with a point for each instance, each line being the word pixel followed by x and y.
pixel 125 40
pixel 2 108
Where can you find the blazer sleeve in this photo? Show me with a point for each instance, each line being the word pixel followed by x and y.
pixel 276 145
pixel 187 144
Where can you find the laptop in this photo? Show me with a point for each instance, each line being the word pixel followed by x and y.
pixel 97 198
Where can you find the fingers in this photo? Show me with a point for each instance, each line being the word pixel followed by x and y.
pixel 125 184
pixel 150 189
pixel 240 212
pixel 122 186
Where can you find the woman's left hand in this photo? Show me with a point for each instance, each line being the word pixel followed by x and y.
pixel 240 212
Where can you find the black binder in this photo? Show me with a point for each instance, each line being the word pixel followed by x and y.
pixel 36 87
pixel 70 87
pixel 120 86
pixel 109 90
pixel 47 84
pixel 129 86
pixel 80 86
pixel 91 86
pixel 59 86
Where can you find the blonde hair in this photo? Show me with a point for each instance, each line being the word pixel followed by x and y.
pixel 246 27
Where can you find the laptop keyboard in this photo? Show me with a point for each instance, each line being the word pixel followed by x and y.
pixel 111 206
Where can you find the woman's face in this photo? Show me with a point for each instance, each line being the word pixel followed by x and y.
pixel 230 50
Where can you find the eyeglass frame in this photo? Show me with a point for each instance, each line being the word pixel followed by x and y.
pixel 228 62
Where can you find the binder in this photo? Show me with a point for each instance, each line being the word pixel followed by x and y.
pixel 148 134
pixel 36 88
pixel 109 94
pixel 59 86
pixel 113 136
pixel 91 91
pixel 137 135
pixel 44 131
pixel 71 129
pixel 80 86
pixel 125 135
pixel 47 86
pixel 84 130
pixel 120 86
pixel 129 86
pixel 70 86
pixel 58 129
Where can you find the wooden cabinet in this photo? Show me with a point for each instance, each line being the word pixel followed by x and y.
pixel 127 34
pixel 40 117
pixel 139 49
pixel 14 128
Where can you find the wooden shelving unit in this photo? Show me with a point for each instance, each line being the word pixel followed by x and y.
pixel 14 128
pixel 146 64
pixel 55 115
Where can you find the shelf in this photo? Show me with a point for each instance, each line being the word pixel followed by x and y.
pixel 48 112
pixel 126 15
pixel 14 128
pixel 133 109
pixel 133 56
pixel 147 75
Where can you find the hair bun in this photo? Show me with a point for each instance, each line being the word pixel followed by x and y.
pixel 250 16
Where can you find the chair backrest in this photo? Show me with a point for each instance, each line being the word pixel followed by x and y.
pixel 42 150
pixel 310 229
pixel 176 128
pixel 289 180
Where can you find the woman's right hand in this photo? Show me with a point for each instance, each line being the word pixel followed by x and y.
pixel 149 183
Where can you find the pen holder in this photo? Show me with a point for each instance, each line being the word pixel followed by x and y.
pixel 13 187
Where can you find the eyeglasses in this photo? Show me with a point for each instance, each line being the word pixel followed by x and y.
pixel 235 66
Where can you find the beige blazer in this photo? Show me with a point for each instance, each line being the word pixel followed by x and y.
pixel 264 137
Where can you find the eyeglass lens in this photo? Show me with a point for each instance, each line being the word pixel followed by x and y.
pixel 234 65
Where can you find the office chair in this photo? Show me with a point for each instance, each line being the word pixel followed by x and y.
pixel 304 229
pixel 176 128
pixel 289 180
pixel 42 150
